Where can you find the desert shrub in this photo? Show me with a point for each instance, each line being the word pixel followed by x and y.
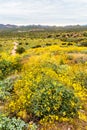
pixel 75 39
pixel 83 44
pixel 80 60
pixel 63 35
pixel 7 67
pixel 81 78
pixel 69 44
pixel 51 65
pixel 6 87
pixel 55 43
pixel 0 45
pixel 48 44
pixel 64 43
pixel 53 101
pixel 37 46
pixel 61 61
pixel 62 69
pixel 32 126
pixel 49 36
pixel 70 57
pixel 26 43
pixel 20 50
pixel 64 39
pixel 40 93
pixel 85 34
pixel 58 35
pixel 20 43
pixel 11 124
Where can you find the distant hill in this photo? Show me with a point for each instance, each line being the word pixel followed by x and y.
pixel 2 26
pixel 41 27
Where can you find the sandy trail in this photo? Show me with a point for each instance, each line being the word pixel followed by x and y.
pixel 14 49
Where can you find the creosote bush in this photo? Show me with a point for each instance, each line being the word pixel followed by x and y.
pixel 20 50
pixel 84 44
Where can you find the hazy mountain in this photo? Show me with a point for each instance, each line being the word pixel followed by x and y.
pixel 40 27
pixel 2 26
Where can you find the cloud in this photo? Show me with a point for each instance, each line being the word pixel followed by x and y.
pixel 58 12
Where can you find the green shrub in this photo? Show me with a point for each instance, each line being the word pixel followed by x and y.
pixel 27 43
pixel 69 44
pixel 0 45
pixel 20 43
pixel 84 44
pixel 37 46
pixel 54 99
pixel 85 34
pixel 20 50
pixel 48 44
pixel 81 78
pixel 12 124
pixel 49 36
pixel 6 87
pixel 7 67
pixel 64 43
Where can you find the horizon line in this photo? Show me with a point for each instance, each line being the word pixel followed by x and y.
pixel 57 25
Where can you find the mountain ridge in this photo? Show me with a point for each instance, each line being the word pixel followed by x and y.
pixel 40 27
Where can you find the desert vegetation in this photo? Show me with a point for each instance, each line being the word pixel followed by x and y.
pixel 43 86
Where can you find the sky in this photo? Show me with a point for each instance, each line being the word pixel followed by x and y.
pixel 43 12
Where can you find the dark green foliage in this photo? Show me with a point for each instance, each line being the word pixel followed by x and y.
pixel 20 43
pixel 37 46
pixel 0 45
pixel 26 43
pixel 69 44
pixel 48 44
pixel 8 67
pixel 5 66
pixel 64 43
pixel 85 34
pixel 83 44
pixel 51 99
pixel 49 36
pixel 20 50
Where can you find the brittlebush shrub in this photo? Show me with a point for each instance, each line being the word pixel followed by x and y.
pixel 40 93
pixel 8 67
pixel 81 78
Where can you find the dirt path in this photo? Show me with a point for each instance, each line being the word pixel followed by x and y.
pixel 14 49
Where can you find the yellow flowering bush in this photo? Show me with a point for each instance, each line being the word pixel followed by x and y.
pixel 8 65
pixel 41 94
